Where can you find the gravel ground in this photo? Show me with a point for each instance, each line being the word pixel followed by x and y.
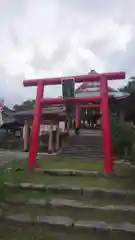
pixel 7 156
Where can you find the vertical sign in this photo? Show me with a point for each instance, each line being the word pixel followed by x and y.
pixel 68 91
pixel 68 88
pixel 1 110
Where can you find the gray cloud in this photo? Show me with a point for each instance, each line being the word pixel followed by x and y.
pixel 10 84
pixel 62 37
pixel 39 62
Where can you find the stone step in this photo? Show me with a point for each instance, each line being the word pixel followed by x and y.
pixel 84 156
pixel 79 137
pixel 96 193
pixel 82 152
pixel 23 195
pixel 81 158
pixel 85 144
pixel 85 141
pixel 71 208
pixel 69 172
pixel 60 223
pixel 83 147
pixel 77 153
pixel 61 202
pixel 73 172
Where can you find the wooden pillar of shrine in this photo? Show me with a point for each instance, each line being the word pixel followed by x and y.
pixel 26 136
pixel 68 124
pixel 50 143
pixel 57 137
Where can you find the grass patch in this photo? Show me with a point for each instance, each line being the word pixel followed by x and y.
pixel 56 162
pixel 71 164
pixel 38 178
pixel 40 232
pixel 34 231
pixel 8 173
pixel 15 163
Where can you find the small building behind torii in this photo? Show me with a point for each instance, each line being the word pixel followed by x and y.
pixel 54 126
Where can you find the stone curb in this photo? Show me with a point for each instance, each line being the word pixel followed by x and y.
pixel 126 163
pixel 59 221
pixel 68 189
pixel 71 172
pixel 68 172
pixel 60 203
pixel 42 187
pixel 63 172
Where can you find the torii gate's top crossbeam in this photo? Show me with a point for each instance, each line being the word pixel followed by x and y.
pixel 78 79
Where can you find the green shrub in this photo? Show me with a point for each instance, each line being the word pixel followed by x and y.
pixel 123 139
pixel 132 154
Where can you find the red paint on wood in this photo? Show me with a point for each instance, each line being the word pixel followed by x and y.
pixel 89 105
pixel 77 117
pixel 106 131
pixel 35 127
pixel 61 100
pixel 78 79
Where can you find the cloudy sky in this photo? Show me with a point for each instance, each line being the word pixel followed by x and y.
pixel 40 38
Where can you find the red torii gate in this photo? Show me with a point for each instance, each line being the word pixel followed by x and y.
pixel 104 106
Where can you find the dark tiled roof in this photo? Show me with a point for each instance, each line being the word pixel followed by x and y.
pixel 8 115
pixel 91 86
pixel 9 120
pixel 58 109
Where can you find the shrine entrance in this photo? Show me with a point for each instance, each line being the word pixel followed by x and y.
pixel 87 118
pixel 69 100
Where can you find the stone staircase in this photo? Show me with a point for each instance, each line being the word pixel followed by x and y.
pixel 84 146
pixel 68 211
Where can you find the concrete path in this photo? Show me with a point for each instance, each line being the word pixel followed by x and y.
pixel 7 156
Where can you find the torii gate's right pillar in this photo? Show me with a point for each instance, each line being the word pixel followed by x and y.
pixel 106 129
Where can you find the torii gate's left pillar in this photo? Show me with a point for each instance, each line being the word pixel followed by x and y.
pixel 36 125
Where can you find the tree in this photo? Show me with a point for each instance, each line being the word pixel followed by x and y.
pixel 26 105
pixel 122 133
pixel 128 104
pixel 130 87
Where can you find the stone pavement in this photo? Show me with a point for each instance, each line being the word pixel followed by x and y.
pixel 7 156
